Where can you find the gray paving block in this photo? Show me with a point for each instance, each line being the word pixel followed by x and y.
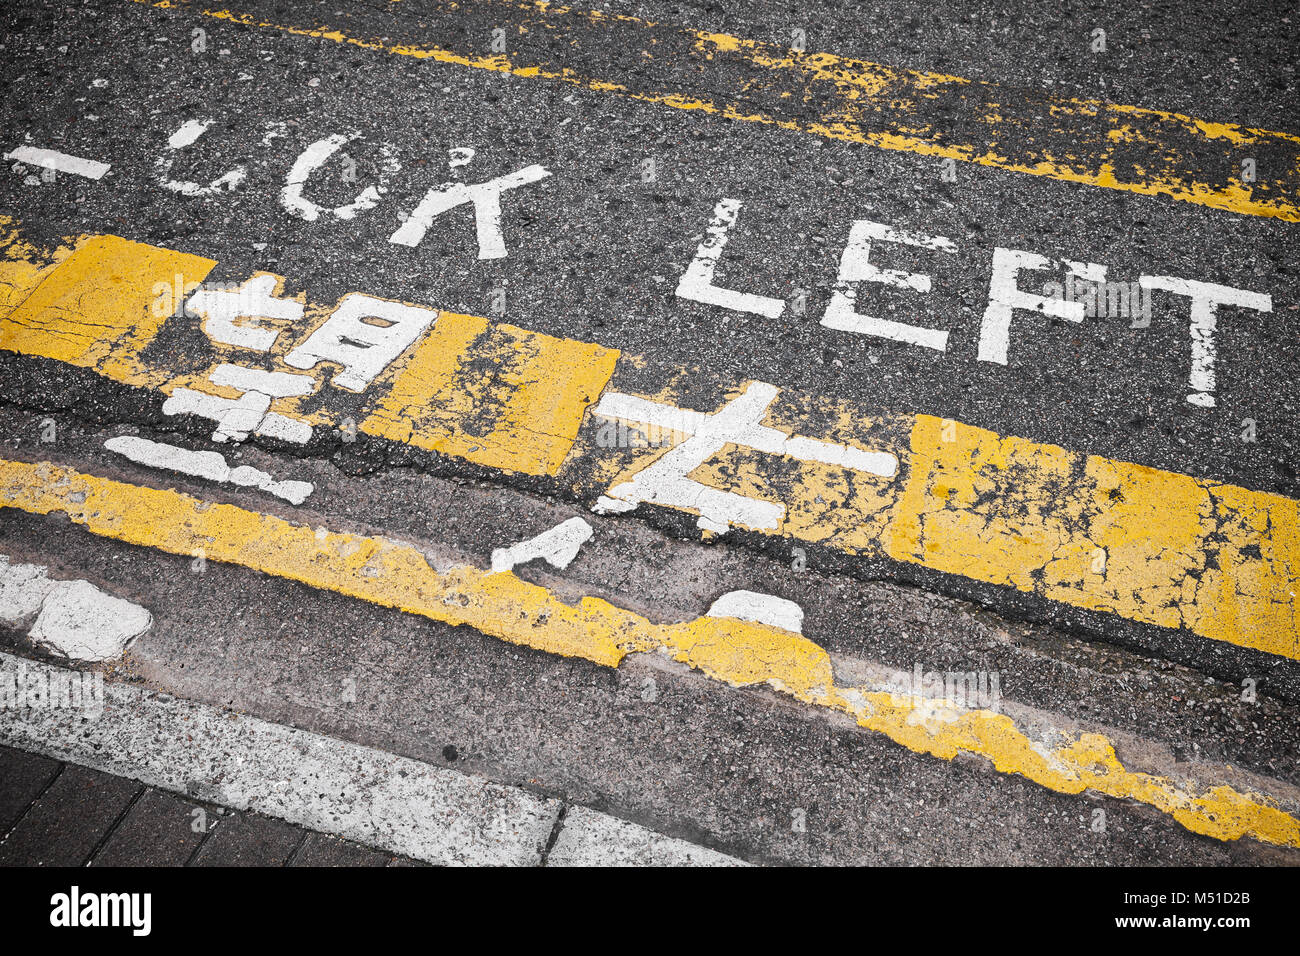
pixel 322 850
pixel 69 819
pixel 249 839
pixel 157 831
pixel 22 777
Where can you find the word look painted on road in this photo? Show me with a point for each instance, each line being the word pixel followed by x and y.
pixel 845 312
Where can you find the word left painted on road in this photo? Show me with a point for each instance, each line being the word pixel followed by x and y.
pixel 1110 537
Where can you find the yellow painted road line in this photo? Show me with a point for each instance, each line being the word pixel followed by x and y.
pixel 1145 151
pixel 540 384
pixel 1208 559
pixel 495 395
pixel 740 653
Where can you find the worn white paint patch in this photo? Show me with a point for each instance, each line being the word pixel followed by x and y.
pixel 329 785
pixel 206 464
pixel 459 156
pixel 1206 298
pixel 697 281
pixel 254 299
pixel 589 838
pixel 275 129
pixel 364 335
pixel 759 608
pixel 188 134
pixel 486 198
pixel 1005 296
pixel 80 622
pixel 237 417
pixel 313 158
pixel 59 162
pixel 664 481
pixel 855 267
pixel 22 589
pixel 559 546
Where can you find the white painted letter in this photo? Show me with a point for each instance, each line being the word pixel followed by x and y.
pixel 253 300
pixel 486 198
pixel 1005 297
pixel 855 267
pixel 312 159
pixel 190 131
pixel 1206 298
pixel 363 335
pixel 697 281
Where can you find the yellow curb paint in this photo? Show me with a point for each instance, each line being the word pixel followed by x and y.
pixel 739 653
pixel 102 305
pixel 1215 560
pixel 1091 142
pixel 496 395
pixel 1220 561
pixel 527 392
pixel 22 265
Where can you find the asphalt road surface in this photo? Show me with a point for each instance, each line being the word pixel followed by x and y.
pixel 658 432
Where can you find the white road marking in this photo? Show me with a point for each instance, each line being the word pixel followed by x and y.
pixel 739 422
pixel 486 198
pixel 82 623
pixel 187 135
pixel 236 417
pixel 1005 297
pixel 74 619
pixel 314 157
pixel 22 589
pixel 559 546
pixel 759 608
pixel 588 838
pixel 59 162
pixel 1206 298
pixel 254 299
pixel 697 281
pixel 354 338
pixel 855 267
pixel 206 464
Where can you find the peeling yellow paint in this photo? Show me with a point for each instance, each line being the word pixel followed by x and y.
pixel 101 305
pixel 739 653
pixel 1149 545
pixel 875 104
pixel 22 265
pixel 524 392
pixel 1216 560
pixel 493 394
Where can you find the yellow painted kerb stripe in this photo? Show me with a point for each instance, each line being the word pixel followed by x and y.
pixel 740 653
pixel 1215 560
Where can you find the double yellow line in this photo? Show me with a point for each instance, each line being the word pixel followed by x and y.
pixel 1150 152
pixel 740 653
